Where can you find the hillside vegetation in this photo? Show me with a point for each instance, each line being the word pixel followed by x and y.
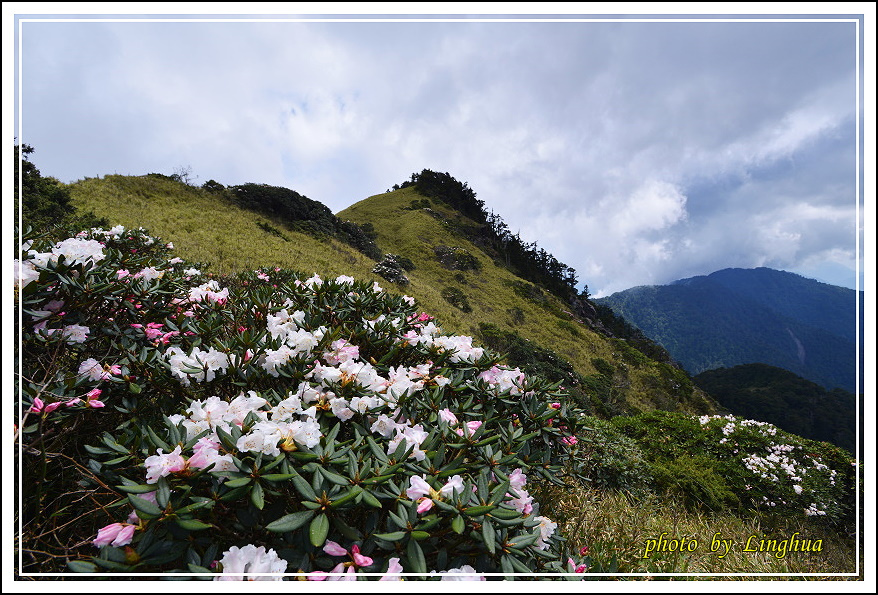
pixel 451 277
pixel 775 395
pixel 326 422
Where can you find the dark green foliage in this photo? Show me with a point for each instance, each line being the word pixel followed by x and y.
pixel 530 292
pixel 405 262
pixel 694 480
pixel 456 298
pixel 46 202
pixel 272 230
pixel 359 237
pixel 422 203
pixel 622 329
pixel 516 315
pixel 494 236
pixel 760 391
pixel 611 460
pixel 604 367
pixel 302 214
pixel 453 193
pixel 569 327
pixel 213 186
pixel 738 316
pixel 456 259
pixel 390 268
pixel 705 462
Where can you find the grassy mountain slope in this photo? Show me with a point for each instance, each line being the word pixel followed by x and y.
pixel 207 227
pixel 498 297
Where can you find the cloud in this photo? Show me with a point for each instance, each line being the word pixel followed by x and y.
pixel 634 152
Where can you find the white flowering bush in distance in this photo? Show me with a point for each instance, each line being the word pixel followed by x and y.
pixel 729 462
pixel 272 423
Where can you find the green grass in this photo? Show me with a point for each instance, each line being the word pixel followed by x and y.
pixel 207 228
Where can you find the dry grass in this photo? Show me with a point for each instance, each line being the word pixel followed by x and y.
pixel 615 526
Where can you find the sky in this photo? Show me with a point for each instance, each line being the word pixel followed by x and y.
pixel 635 152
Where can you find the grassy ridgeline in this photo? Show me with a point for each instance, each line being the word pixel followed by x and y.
pixel 207 228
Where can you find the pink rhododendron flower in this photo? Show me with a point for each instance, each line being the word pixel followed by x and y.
pixel 37 406
pixel 447 415
pixel 117 534
pixel 162 465
pixel 569 440
pixel 472 426
pixel 393 567
pixel 333 549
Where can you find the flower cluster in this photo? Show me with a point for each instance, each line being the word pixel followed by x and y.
pixel 324 416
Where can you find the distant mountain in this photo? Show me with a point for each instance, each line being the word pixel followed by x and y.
pixel 742 316
pixel 767 393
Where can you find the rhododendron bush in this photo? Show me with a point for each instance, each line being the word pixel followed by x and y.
pixel 271 424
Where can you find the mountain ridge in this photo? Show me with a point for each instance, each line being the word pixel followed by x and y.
pixel 611 374
pixel 739 316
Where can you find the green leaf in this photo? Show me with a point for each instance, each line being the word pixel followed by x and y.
pixel 522 541
pixel 110 565
pixel 195 568
pixel 304 488
pixel 137 489
pixel 416 557
pixel 237 483
pixel 478 510
pixel 290 522
pixel 192 524
pixel 81 566
pixel 144 506
pixel 369 499
pixel 158 442
pixel 498 493
pixel 257 496
pixel 394 536
pixel 351 493
pixel 488 535
pixel 419 535
pixel 518 565
pixel 318 530
pixel 195 506
pixel 277 476
pixel 163 493
pixel 458 524
pixel 334 477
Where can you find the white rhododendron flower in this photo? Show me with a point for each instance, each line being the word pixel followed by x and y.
pixel 251 559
